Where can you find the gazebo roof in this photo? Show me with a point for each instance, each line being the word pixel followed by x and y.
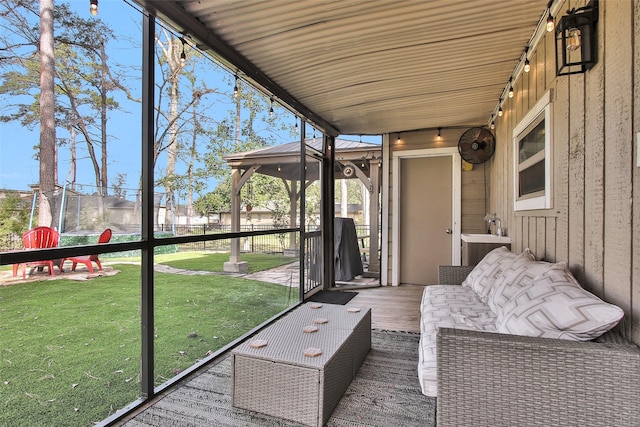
pixel 283 160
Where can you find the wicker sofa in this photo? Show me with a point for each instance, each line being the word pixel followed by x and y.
pixel 491 373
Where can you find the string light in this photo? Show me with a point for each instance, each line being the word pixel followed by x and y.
pixel 93 7
pixel 510 89
pixel 235 86
pixel 527 65
pixel 439 134
pixel 183 55
pixel 551 23
pixel 493 124
pixel 500 112
pixel 398 140
pixel 271 107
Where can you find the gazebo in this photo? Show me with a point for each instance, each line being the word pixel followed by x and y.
pixel 354 160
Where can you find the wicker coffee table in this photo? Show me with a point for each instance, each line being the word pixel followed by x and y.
pixel 279 379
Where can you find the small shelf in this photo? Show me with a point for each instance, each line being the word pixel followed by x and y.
pixel 485 238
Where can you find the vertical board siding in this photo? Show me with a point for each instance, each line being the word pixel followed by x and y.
pixel 594 175
pixel 635 273
pixel 595 180
pixel 618 130
pixel 561 166
pixel 576 211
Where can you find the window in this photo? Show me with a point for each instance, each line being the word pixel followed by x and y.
pixel 532 167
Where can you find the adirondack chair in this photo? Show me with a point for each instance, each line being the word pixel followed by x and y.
pixel 39 238
pixel 105 236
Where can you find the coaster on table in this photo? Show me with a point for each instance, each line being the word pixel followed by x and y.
pixel 310 329
pixel 353 310
pixel 312 352
pixel 258 343
pixel 320 320
pixel 315 305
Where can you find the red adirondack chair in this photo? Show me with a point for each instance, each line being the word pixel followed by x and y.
pixel 39 238
pixel 87 259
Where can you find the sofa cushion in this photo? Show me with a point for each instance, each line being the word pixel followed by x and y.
pixel 483 276
pixel 519 274
pixel 447 306
pixel 555 306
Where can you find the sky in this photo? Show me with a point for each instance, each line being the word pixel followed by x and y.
pixel 19 169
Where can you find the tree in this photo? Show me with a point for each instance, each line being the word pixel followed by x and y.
pixel 83 83
pixel 173 120
pixel 48 164
pixel 14 219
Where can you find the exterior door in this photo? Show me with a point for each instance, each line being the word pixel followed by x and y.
pixel 425 218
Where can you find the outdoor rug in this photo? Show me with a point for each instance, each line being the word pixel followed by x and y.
pixel 385 393
pixel 333 297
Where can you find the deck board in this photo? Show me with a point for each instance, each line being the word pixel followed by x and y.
pixel 393 308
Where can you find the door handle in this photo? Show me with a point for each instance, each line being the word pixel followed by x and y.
pixel 448 231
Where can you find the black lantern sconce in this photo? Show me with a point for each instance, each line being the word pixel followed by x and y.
pixel 576 44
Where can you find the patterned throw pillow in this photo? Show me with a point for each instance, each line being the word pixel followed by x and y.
pixel 485 273
pixel 555 306
pixel 522 270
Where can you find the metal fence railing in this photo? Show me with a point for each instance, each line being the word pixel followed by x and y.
pixel 271 243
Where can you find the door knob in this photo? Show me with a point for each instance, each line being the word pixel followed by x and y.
pixel 448 231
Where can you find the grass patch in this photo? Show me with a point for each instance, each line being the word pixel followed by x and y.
pixel 204 261
pixel 71 350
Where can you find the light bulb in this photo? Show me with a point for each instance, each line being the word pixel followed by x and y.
pixel 500 112
pixel 527 65
pixel 398 140
pixel 510 91
pixel 235 88
pixel 439 134
pixel 183 55
pixel 550 23
pixel 574 39
pixel 493 124
pixel 93 8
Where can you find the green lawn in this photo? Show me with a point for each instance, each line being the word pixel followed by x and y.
pixel 207 261
pixel 71 350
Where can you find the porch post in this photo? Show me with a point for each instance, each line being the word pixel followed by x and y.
pixel 374 218
pixel 293 246
pixel 235 264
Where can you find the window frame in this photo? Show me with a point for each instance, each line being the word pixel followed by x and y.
pixel 542 111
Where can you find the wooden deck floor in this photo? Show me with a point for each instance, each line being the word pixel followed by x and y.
pixel 393 308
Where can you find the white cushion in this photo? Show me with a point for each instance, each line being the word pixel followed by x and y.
pixel 514 277
pixel 483 276
pixel 555 306
pixel 447 306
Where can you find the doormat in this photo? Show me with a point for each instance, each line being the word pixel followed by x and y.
pixel 333 297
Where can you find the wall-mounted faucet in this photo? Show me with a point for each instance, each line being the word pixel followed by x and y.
pixel 493 219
